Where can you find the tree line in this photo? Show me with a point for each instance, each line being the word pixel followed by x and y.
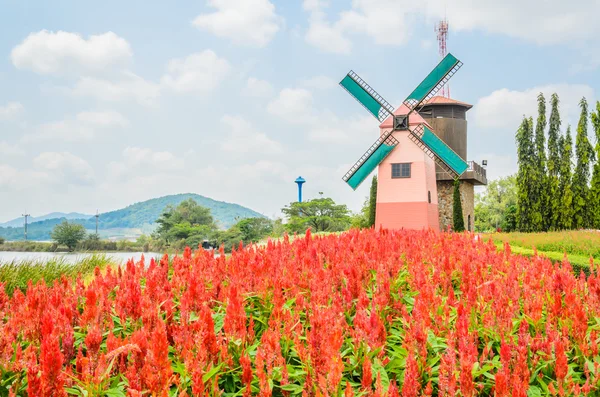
pixel 554 189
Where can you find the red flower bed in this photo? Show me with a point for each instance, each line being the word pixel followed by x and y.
pixel 369 313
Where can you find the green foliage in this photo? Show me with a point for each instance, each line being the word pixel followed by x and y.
pixel 188 221
pixel 585 156
pixel 255 229
pixel 457 212
pixel 526 174
pixel 2 241
pixel 320 215
pixel 497 206
pixel 554 161
pixel 361 220
pixel 540 200
pixel 373 202
pixel 140 215
pixel 69 234
pixel 17 274
pixel 565 213
pixel 594 201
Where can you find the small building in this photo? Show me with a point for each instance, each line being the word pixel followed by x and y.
pixel 448 118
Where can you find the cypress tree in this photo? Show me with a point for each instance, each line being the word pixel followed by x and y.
pixel 595 188
pixel 554 155
pixel 373 202
pixel 540 199
pixel 526 163
pixel 565 213
pixel 585 155
pixel 457 213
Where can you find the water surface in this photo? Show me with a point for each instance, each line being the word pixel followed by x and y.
pixel 73 257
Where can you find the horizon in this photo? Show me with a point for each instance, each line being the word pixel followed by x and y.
pixel 103 109
pixel 121 208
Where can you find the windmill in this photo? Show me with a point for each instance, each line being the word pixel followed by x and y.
pixel 407 126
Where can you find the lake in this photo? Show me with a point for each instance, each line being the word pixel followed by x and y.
pixel 120 257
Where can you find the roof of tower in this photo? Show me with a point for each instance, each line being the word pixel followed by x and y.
pixel 440 100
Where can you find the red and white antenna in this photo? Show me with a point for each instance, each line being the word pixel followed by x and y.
pixel 442 34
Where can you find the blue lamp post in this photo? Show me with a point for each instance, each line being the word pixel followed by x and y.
pixel 299 181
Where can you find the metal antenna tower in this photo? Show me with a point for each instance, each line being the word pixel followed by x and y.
pixel 442 35
pixel 26 216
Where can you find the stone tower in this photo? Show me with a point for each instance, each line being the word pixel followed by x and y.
pixel 448 118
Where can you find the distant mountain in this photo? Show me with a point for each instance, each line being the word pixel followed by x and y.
pixel 147 212
pixel 141 215
pixel 18 222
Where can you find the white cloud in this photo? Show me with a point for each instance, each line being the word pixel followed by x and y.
pixel 107 118
pixel 80 128
pixel 10 110
pixel 13 179
pixel 327 37
pixel 7 149
pixel 62 131
pixel 498 166
pixel 319 82
pixel 201 72
pixel 128 87
pixel 245 22
pixel 504 109
pixel 66 167
pixel 391 22
pixel 330 129
pixel 244 138
pixel 140 161
pixel 257 88
pixel 47 52
pixel 295 105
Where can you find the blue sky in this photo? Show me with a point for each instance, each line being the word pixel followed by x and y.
pixel 108 103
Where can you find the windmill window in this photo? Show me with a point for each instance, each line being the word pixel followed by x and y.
pixel 401 170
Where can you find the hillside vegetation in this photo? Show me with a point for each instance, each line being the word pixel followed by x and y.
pixel 138 216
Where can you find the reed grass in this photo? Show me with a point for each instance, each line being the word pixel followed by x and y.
pixel 17 274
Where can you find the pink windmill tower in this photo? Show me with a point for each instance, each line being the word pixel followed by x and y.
pixel 405 152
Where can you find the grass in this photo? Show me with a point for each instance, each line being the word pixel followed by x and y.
pixel 17 274
pixel 579 263
pixel 577 245
pixel 575 242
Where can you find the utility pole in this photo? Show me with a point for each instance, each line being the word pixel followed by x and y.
pixel 97 216
pixel 26 216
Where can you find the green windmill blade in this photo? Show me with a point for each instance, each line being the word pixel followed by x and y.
pixel 447 158
pixel 367 96
pixel 434 81
pixel 376 153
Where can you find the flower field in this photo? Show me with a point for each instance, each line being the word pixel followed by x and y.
pixel 362 313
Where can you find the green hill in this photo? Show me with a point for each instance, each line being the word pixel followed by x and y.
pixel 136 216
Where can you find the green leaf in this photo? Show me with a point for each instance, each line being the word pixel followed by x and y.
pixel 213 371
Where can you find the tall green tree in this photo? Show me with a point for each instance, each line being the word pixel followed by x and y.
pixel 68 233
pixel 525 176
pixel 320 215
pixel 565 212
pixel 595 188
pixel 540 200
pixel 457 212
pixel 554 157
pixel 585 155
pixel 373 201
